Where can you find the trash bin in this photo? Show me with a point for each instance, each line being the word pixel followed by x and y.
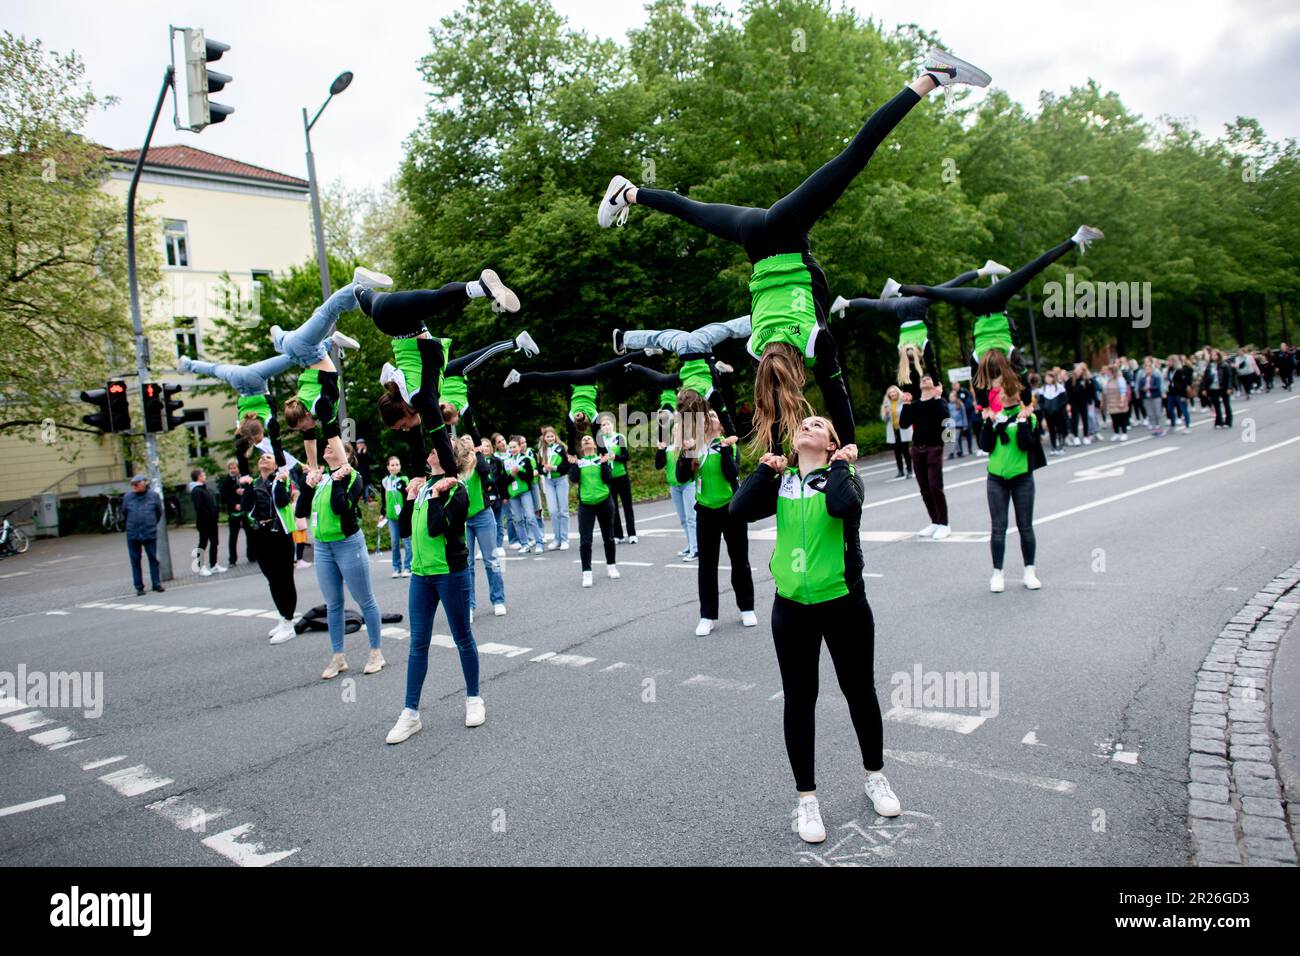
pixel 45 515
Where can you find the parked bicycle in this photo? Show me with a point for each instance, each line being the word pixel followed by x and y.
pixel 112 520
pixel 12 540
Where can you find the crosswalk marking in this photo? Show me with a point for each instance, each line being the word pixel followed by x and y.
pixel 717 683
pixel 28 721
pixel 31 805
pixel 938 719
pixel 231 845
pixel 563 660
pixel 134 781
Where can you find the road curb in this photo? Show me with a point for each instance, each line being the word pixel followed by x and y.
pixel 1237 813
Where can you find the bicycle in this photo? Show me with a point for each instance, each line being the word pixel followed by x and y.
pixel 13 540
pixel 112 519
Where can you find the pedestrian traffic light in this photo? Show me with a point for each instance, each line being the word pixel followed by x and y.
pixel 114 414
pixel 151 397
pixel 175 417
pixel 200 81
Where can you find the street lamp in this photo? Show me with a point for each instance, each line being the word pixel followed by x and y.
pixel 341 83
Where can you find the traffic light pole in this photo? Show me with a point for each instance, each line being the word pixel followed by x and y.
pixel 137 323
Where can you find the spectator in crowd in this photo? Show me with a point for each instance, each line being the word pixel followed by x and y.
pixel 142 510
pixel 207 519
pixel 233 494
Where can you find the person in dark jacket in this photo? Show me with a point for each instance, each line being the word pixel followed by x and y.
pixel 142 509
pixel 365 468
pixel 1218 381
pixel 928 418
pixel 234 494
pixel 207 520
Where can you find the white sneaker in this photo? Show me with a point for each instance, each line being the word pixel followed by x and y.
pixel 498 610
pixel 283 632
pixel 370 279
pixel 586 579
pixel 950 70
pixel 525 341
pixel 807 821
pixel 553 546
pixel 723 367
pixel 928 531
pixel 511 378
pixel 941 531
pixel 220 568
pixel 684 552
pixel 612 571
pixel 631 540
pixel 475 712
pixel 1031 579
pixel 503 300
pixel 690 556
pixel 618 343
pixel 992 268
pixel 1114 438
pixel 205 572
pixel 406 574
pixel 749 619
pixel 882 795
pixel 997 583
pixel 614 206
pixel 519 547
pixel 564 546
pixel 840 305
pixel 539 549
pixel 1085 235
pixel 345 341
pixel 704 628
pixel 498 552
pixel 300 563
pixel 891 289
pixel 397 574
pixel 407 724
pixel 1123 436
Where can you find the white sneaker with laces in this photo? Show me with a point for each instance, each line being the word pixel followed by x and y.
pixel 553 546
pixel 632 540
pixel 283 632
pixel 397 574
pixel 882 795
pixel 370 279
pixel 684 552
pixel 586 579
pixel 1031 579
pixel 205 572
pixel 345 341
pixel 1085 235
pixel 941 531
pixel 891 289
pixel 997 583
pixel 748 619
pixel 511 377
pixel 611 571
pixel 949 70
pixel 525 342
pixel 928 531
pixel 564 546
pixel 807 821
pixel 704 628
pixel 220 568
pixel 619 349
pixel 475 712
pixel 840 305
pixel 503 300
pixel 498 552
pixel 498 610
pixel 992 268
pixel 614 206
pixel 407 724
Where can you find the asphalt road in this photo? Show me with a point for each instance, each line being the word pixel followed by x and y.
pixel 631 741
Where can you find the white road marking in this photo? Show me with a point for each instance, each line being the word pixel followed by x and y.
pixel 617 665
pixel 57 613
pixel 31 805
pixel 505 650
pixel 1283 401
pixel 251 853
pixel 779 695
pixel 692 567
pixel 14 574
pixel 134 781
pixel 96 764
pixel 169 608
pixel 717 683
pixel 564 660
pixel 192 610
pixel 1031 739
pixel 246 612
pixel 666 514
pixel 938 719
pixel 184 815
pixel 923 759
pixel 28 721
pixel 52 738
pixel 622 564
pixel 270 615
pixel 74 557
pixel 1115 469
pixel 396 632
pixel 10 704
pixel 1164 481
pixel 218 611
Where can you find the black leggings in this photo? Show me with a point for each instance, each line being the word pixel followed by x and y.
pixel 712 525
pixel 208 540
pixel 1018 491
pixel 901 456
pixel 908 308
pixel 994 298
pixel 464 364
pixel 275 556
pixel 588 515
pixel 784 226
pixel 233 527
pixel 622 488
pixel 580 376
pixel 847 626
pixel 402 315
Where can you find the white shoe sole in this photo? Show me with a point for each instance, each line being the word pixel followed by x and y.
pixel 407 736
pixel 501 296
pixel 370 279
pixel 966 73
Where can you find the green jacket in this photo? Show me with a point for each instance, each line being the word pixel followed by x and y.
pixel 592 478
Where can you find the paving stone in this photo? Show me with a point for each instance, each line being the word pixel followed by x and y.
pixel 1214 831
pixel 1211 811
pixel 1261 769
pixel 1210 695
pixel 1207 760
pixel 1266 827
pixel 1208 792
pixel 1210 745
pixel 1250 740
pixel 1210 733
pixel 1223 666
pixel 1217 854
pixel 1247 727
pixel 1258 806
pixel 1210 775
pixel 1256 787
pixel 1209 720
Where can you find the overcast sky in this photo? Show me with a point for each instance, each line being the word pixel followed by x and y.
pixel 1202 59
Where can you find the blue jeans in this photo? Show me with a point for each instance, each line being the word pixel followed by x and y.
pixel 346 562
pixel 481 532
pixel 244 379
pixel 394 531
pixel 427 591
pixel 703 340
pixel 557 501
pixel 536 492
pixel 1177 407
pixel 305 345
pixel 684 501
pixel 521 512
pixel 150 546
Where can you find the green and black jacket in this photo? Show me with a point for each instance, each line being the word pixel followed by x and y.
pixel 318 391
pixel 717 477
pixel 436 527
pixel 336 508
pixel 593 478
pixel 818 556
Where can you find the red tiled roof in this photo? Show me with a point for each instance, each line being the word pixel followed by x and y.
pixel 198 160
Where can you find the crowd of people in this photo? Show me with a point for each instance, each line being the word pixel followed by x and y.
pixel 458 491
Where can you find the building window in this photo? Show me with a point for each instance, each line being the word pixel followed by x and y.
pixel 198 439
pixel 187 336
pixel 176 236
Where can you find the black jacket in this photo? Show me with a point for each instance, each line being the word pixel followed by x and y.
pixel 926 418
pixel 205 509
pixel 231 497
pixel 1227 377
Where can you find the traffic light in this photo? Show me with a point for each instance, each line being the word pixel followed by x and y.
pixel 114 414
pixel 175 417
pixel 200 81
pixel 151 397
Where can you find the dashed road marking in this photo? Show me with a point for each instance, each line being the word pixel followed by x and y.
pixel 134 781
pixel 717 683
pixel 104 762
pixel 563 660
pixel 185 815
pixel 58 737
pixel 923 759
pixel 938 719
pixel 229 843
pixel 32 805
pixel 28 721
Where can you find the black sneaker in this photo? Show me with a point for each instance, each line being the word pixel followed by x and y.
pixel 158 587
pixel 139 592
